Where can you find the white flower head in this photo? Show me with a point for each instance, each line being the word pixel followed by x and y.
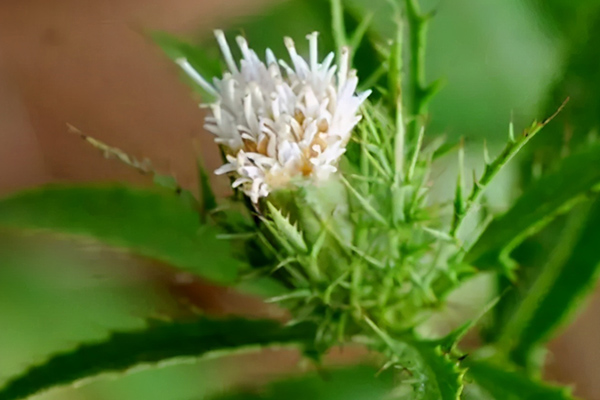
pixel 279 122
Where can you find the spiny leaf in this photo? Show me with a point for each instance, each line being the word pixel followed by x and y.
pixel 442 370
pixel 443 378
pixel 551 195
pixel 160 342
pixel 154 223
pixel 513 146
pixel 285 227
pixel 506 384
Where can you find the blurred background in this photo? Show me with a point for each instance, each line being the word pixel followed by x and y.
pixel 91 64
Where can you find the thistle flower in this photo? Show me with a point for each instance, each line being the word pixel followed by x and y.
pixel 278 122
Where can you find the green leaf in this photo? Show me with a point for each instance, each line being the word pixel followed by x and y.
pixel 352 383
pixel 505 384
pixel 151 222
pixel 158 343
pixel 290 232
pixel 208 200
pixel 438 376
pixel 560 298
pixel 440 371
pixel 551 195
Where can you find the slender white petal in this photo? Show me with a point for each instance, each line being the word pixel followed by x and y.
pixel 222 41
pixel 279 125
pixel 199 79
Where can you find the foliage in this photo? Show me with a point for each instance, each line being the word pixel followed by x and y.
pixel 162 342
pixel 367 258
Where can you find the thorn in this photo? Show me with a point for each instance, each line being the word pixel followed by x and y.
pixel 486 154
pixel 511 132
pixel 461 157
pixel 562 106
pixel 475 179
pixel 459 201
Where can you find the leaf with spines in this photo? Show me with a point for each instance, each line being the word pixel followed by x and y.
pixel 160 342
pixel 151 222
pixel 492 169
pixel 290 231
pixel 442 376
pixel 551 195
pixel 446 373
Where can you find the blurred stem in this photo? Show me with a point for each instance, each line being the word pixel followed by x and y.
pixel 513 146
pixel 338 27
pixel 419 98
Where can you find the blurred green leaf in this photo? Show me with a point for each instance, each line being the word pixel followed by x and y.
pixel 561 297
pixel 151 222
pixel 160 342
pixel 504 384
pixel 551 195
pixel 438 377
pixel 207 196
pixel 353 383
pixel 441 370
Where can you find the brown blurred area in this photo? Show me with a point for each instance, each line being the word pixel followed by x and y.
pixel 86 63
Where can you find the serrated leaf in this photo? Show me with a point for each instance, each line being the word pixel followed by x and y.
pixel 351 383
pixel 160 342
pixel 505 384
pixel 151 222
pixel 291 232
pixel 559 298
pixel 442 371
pixel 553 194
pixel 442 378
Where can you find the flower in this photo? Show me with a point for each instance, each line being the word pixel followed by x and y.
pixel 279 122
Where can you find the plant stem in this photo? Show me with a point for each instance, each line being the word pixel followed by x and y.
pixel 420 92
pixel 491 170
pixel 338 27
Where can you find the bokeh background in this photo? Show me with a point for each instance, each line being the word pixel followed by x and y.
pixel 91 64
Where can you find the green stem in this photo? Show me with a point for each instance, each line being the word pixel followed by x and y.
pixel 420 92
pixel 338 26
pixel 491 170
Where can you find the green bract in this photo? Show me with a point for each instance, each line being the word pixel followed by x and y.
pixel 364 257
